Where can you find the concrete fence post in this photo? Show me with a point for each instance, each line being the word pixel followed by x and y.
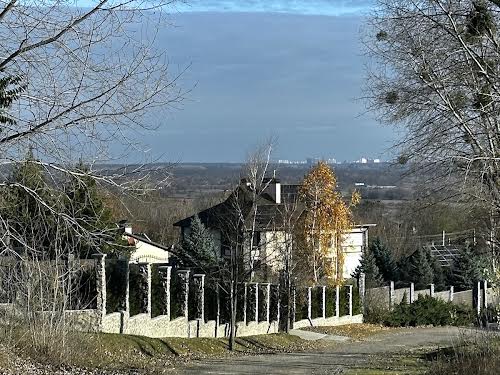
pixel 392 295
pixel 257 302
pixel 451 293
pixel 255 316
pixel 126 302
pixel 100 274
pixel 323 302
pixel 217 316
pixel 309 303
pixel 199 285
pixel 165 277
pixel 362 291
pixel 432 290
pixel 245 296
pixel 477 297
pixel 412 292
pixel 485 294
pixel 337 301
pixel 349 298
pixel 278 307
pixel 184 292
pixel 145 287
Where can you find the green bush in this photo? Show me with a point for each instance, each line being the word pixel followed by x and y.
pixel 375 314
pixel 344 302
pixel 429 311
pixel 301 304
pixel 116 284
pixel 356 301
pixel 316 302
pixel 330 301
pixel 157 291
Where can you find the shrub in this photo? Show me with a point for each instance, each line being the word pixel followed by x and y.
pixel 330 301
pixel 356 301
pixel 343 302
pixel 316 302
pixel 301 304
pixel 375 314
pixel 429 311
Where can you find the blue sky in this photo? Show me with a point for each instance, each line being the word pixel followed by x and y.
pixel 260 68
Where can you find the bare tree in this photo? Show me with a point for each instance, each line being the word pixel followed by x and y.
pixel 91 77
pixel 435 71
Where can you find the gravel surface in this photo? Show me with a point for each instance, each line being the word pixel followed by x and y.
pixel 384 350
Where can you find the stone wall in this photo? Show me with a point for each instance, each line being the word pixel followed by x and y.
pixel 479 298
pixel 262 306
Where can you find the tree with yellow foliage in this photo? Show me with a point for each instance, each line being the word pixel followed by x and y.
pixel 327 219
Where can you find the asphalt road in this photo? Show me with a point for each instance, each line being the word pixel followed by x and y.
pixel 385 350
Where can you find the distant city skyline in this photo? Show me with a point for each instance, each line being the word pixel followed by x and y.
pixel 330 160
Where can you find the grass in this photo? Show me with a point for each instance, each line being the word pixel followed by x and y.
pixel 479 355
pixel 123 352
pixel 354 331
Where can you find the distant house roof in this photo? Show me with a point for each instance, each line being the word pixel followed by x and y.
pixel 270 215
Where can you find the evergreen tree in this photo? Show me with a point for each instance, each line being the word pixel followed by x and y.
pixel 384 259
pixel 85 205
pixel 28 204
pixel 419 270
pixel 439 278
pixel 467 268
pixel 368 266
pixel 199 246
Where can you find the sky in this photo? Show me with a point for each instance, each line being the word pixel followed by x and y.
pixel 259 68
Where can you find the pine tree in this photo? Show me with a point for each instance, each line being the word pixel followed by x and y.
pixel 368 266
pixel 384 259
pixel 27 209
pixel 419 269
pixel 467 268
pixel 439 279
pixel 199 246
pixel 85 204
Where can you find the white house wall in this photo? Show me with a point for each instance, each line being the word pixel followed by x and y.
pixel 148 253
pixel 352 246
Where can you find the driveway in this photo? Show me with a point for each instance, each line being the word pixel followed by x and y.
pixel 386 352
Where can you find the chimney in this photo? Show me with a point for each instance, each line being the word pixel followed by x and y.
pixel 273 188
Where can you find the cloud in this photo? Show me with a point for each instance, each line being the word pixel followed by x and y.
pixel 304 7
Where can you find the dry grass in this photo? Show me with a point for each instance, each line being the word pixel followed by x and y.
pixel 354 331
pixel 479 355
pixel 155 356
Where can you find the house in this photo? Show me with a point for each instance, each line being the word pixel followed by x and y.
pixel 145 249
pixel 260 222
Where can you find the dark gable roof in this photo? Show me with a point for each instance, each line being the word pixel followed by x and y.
pixel 269 214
